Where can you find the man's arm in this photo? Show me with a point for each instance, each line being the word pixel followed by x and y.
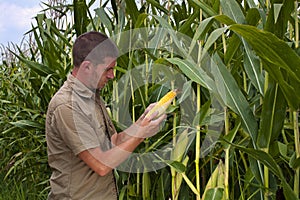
pixel 103 162
pixel 124 144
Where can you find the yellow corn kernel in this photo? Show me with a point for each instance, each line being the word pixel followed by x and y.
pixel 162 104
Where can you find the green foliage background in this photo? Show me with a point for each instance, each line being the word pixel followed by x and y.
pixel 256 48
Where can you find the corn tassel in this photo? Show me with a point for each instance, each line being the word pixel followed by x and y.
pixel 162 104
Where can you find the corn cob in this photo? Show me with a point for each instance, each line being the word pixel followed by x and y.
pixel 162 104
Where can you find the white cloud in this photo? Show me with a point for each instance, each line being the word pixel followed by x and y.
pixel 16 19
pixel 14 16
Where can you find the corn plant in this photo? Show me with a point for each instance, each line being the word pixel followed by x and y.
pixel 28 82
pixel 246 71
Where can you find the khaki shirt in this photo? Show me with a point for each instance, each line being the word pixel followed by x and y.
pixel 76 121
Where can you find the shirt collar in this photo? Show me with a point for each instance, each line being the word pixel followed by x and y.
pixel 80 88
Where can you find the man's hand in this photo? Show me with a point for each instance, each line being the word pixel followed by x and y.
pixel 146 127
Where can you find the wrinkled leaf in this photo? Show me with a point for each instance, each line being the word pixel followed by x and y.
pixel 27 124
pixel 272 117
pixel 214 193
pixel 195 74
pixel 178 166
pixel 252 68
pixel 232 9
pixel 269 162
pixel 233 97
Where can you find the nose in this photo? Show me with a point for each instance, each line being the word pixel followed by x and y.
pixel 110 74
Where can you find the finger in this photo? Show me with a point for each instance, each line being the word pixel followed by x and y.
pixel 145 121
pixel 154 115
pixel 160 119
pixel 150 107
pixel 146 111
pixel 141 117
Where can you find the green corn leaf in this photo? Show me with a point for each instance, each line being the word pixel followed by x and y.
pixel 44 82
pixel 215 185
pixel 224 19
pixel 186 27
pixel 205 7
pixel 200 32
pixel 25 124
pixel 203 28
pixel 61 38
pixel 186 91
pixel 232 133
pixel 167 32
pixel 104 18
pixel 232 9
pixel 288 89
pixel 10 130
pixel 273 116
pixel 294 162
pixel 196 74
pixel 178 166
pixel 161 184
pixel 214 193
pixel 270 48
pixel 269 162
pixel 276 55
pixel 132 9
pixel 278 17
pixel 205 25
pixel 157 5
pixel 80 16
pixel 122 193
pixel 233 45
pixel 252 68
pixel 5 101
pixel 21 157
pixel 253 17
pixel 282 149
pixel 233 97
pixel 39 68
pixel 140 20
pixel 251 3
pixel 180 146
pixel 213 37
pixel 203 117
pixel 146 186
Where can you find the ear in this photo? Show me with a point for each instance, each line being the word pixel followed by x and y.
pixel 86 66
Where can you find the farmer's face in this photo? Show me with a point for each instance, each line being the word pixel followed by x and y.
pixel 102 73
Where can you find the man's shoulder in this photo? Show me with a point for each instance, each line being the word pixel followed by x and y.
pixel 61 97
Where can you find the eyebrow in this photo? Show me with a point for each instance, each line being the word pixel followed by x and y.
pixel 109 68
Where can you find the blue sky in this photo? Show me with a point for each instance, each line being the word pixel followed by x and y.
pixel 16 17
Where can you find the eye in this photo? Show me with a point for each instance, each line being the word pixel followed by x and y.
pixel 108 69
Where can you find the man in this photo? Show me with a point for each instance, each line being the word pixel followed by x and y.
pixel 83 145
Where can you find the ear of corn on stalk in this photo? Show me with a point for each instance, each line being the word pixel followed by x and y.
pixel 215 183
pixel 162 104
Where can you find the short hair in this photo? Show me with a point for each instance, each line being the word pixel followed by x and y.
pixel 93 46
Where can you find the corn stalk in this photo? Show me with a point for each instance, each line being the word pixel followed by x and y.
pixel 297 149
pixel 295 113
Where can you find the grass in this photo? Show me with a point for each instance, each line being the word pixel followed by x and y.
pixel 12 189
